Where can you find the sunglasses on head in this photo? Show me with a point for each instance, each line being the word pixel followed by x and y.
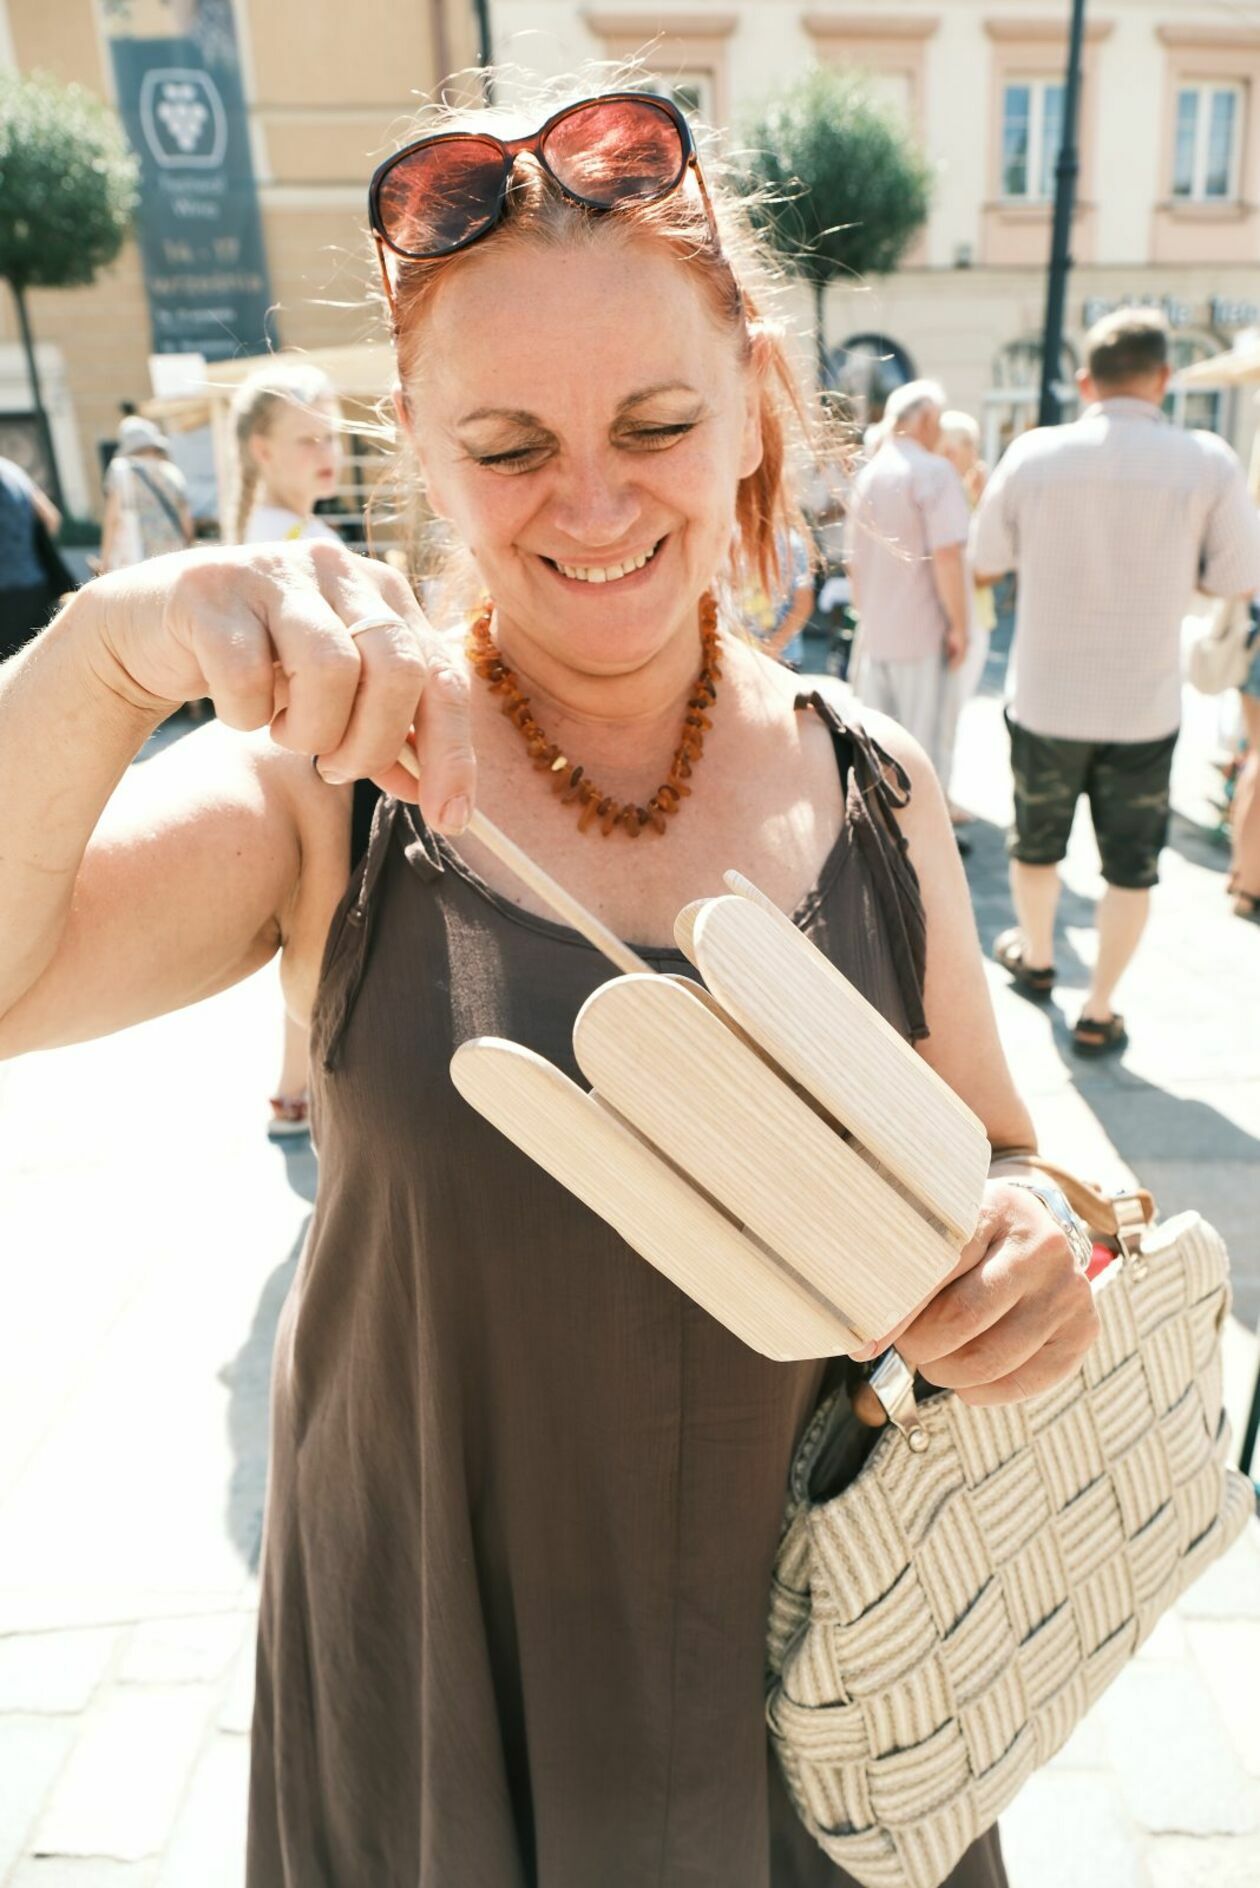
pixel 438 195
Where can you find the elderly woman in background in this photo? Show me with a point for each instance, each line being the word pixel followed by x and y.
pixel 524 1495
pixel 960 444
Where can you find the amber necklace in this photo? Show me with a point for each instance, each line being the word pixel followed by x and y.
pixel 573 784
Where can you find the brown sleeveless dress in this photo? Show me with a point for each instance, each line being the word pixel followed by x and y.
pixel 524 1495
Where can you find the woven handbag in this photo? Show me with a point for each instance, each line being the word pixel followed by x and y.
pixel 939 1627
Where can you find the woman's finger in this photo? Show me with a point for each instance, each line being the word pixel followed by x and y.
pixel 447 785
pixel 1032 1322
pixel 1047 1366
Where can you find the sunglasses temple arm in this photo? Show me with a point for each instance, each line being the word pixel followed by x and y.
pixel 386 284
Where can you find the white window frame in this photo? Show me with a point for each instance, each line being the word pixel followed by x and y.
pixel 1037 85
pixel 1205 90
pixel 700 79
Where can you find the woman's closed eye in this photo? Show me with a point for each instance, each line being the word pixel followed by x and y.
pixel 654 438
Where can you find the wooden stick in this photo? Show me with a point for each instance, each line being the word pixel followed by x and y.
pixel 565 906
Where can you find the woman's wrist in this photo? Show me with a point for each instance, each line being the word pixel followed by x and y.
pixel 83 623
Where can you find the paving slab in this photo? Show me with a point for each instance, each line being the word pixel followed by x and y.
pixel 33 1752
pixel 1068 1827
pixel 121 1790
pixel 53 1671
pixel 207 1845
pixel 1172 1757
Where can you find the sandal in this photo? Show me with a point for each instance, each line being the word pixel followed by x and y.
pixel 1092 1037
pixel 1008 950
pixel 1247 906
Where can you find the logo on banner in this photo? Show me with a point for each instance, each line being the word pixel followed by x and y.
pixel 183 119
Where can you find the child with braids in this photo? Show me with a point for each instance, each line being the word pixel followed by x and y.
pixel 286 431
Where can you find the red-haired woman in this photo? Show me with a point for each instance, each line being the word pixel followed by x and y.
pixel 525 1496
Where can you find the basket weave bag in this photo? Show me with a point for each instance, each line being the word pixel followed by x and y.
pixel 939 1627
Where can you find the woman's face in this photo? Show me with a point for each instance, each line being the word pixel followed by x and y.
pixel 584 424
pixel 299 455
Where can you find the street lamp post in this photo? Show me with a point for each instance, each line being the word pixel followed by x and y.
pixel 1065 174
pixel 485 49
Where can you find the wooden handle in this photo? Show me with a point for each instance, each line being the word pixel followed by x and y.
pixel 562 903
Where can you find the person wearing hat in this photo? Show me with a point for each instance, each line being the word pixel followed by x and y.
pixel 146 501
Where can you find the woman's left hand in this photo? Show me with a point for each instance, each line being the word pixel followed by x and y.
pixel 1015 1316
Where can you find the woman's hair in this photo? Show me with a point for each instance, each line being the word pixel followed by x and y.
pixel 254 407
pixel 735 275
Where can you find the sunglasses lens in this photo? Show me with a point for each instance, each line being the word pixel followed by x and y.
pixel 440 196
pixel 614 150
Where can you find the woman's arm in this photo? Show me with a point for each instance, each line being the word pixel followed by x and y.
pixel 127 892
pixel 1015 1315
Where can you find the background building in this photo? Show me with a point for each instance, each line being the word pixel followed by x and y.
pixel 326 87
pixel 1168 211
pixel 1168 197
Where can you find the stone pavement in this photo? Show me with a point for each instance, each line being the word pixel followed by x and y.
pixel 149 1233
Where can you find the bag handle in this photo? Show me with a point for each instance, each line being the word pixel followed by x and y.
pixel 1121 1216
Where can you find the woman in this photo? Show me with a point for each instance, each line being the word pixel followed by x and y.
pixel 524 1496
pixel 146 499
pixel 286 434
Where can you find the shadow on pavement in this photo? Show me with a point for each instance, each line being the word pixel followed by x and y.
pixel 1188 1153
pixel 248 1378
pixel 1197 845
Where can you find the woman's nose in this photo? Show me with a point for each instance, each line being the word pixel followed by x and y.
pixel 595 505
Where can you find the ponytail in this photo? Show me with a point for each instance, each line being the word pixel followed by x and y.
pixel 246 490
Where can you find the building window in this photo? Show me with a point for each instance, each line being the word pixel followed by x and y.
pixel 693 91
pixel 1204 408
pixel 1206 143
pixel 1032 130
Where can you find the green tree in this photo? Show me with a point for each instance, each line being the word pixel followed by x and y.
pixel 67 195
pixel 836 181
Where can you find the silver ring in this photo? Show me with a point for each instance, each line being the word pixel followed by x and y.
pixel 384 619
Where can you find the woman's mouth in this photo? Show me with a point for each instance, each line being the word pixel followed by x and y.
pixel 605 573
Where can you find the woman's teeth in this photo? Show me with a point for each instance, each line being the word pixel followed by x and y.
pixel 589 573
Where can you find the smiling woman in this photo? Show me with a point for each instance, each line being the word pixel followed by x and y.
pixel 525 1496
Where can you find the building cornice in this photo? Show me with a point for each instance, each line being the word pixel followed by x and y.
pixel 654 20
pixel 1211 38
pixel 870 25
pixel 1007 28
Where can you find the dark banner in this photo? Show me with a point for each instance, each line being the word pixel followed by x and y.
pixel 198 224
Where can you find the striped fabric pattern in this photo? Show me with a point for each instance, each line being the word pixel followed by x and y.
pixel 939 1628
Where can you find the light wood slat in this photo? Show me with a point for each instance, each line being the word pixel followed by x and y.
pixel 583 1144
pixel 679 1075
pixel 776 985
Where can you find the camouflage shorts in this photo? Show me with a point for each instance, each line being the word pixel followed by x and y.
pixel 1126 783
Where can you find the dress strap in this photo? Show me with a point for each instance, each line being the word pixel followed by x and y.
pixel 876 788
pixel 351 936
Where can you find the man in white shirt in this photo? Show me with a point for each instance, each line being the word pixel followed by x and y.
pixel 907 540
pixel 1110 523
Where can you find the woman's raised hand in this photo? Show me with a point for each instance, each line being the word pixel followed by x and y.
pixel 1015 1316
pixel 265 632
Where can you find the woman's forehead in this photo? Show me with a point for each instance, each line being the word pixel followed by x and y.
pixel 608 316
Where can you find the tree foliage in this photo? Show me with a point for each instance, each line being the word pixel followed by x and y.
pixel 68 183
pixel 834 179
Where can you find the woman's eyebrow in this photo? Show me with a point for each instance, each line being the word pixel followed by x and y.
pixel 649 393
pixel 517 416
